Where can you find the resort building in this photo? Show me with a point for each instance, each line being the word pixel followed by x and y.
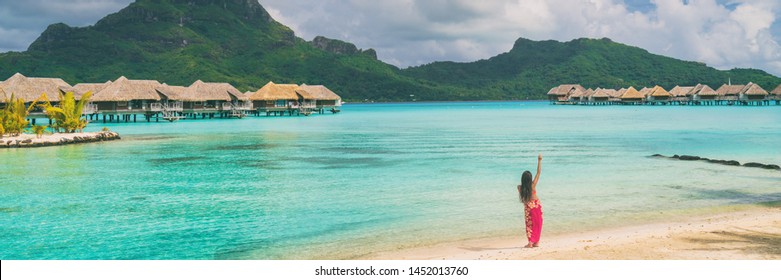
pixel 776 95
pixel 646 92
pixel 658 94
pixel 216 98
pixel 127 96
pixel 703 94
pixel 33 89
pixel 680 95
pixel 325 99
pixel 753 94
pixel 601 96
pixel 280 99
pixel 561 93
pixel 615 97
pixel 632 96
pixel 729 93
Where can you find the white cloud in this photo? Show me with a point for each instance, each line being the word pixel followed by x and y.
pixel 723 34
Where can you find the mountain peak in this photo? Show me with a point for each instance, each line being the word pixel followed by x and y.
pixel 340 47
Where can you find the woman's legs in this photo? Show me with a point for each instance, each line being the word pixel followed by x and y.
pixel 535 215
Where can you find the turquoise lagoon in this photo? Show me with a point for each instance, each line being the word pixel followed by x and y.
pixel 375 177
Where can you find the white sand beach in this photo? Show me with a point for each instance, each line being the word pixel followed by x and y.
pixel 753 234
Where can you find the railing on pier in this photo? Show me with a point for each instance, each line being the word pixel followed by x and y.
pixel 89 109
pixel 175 106
pixel 237 105
pixel 308 104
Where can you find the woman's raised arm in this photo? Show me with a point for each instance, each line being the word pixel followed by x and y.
pixel 539 168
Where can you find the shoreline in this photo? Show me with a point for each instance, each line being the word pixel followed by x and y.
pixel 56 139
pixel 748 234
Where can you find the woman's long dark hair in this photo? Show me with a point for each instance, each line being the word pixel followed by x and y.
pixel 526 187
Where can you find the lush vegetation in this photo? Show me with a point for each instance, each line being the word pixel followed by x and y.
pixel 236 41
pixel 13 118
pixel 67 117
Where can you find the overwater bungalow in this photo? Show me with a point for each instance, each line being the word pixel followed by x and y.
pixel 601 96
pixel 680 95
pixel 560 94
pixel 325 99
pixel 659 95
pixel 584 98
pixel 729 93
pixel 646 92
pixel 171 103
pixel 753 94
pixel 277 99
pixel 703 94
pixel 220 98
pixel 125 98
pixel 574 96
pixel 776 95
pixel 632 96
pixel 32 89
pixel 615 96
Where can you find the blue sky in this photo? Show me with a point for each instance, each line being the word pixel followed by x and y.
pixel 721 33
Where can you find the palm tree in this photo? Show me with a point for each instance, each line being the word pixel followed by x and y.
pixel 68 115
pixel 39 130
pixel 14 116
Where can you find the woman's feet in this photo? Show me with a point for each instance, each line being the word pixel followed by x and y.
pixel 532 245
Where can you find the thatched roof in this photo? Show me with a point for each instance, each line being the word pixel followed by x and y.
pixel 566 90
pixel 321 92
pixel 618 93
pixel 177 93
pixel 703 90
pixel 272 91
pixel 200 91
pixel 30 89
pixel 603 93
pixel 729 89
pixel 304 94
pixel 753 89
pixel 645 91
pixel 776 91
pixel 680 91
pixel 632 93
pixel 82 88
pixel 126 90
pixel 658 91
pixel 588 92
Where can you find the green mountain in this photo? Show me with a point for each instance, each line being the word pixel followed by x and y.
pixel 590 62
pixel 237 41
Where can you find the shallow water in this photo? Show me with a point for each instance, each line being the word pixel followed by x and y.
pixel 374 177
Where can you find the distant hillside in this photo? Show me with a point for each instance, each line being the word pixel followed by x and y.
pixel 237 41
pixel 533 67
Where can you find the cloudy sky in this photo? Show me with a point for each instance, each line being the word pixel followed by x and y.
pixel 722 33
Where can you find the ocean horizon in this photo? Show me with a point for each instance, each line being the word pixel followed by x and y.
pixel 377 177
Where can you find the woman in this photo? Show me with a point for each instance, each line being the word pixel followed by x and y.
pixel 527 191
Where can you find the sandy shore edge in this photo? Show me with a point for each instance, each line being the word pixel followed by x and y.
pixel 741 235
pixel 56 139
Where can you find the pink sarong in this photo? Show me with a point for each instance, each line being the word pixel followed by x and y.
pixel 533 211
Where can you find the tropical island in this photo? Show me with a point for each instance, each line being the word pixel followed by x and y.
pixel 67 123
